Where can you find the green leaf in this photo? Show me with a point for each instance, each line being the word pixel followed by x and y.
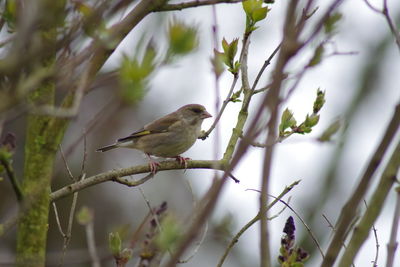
pixel 330 131
pixel 259 14
pixel 10 14
pixel 250 5
pixel 114 243
pixel 330 24
pixel 133 91
pixel 311 120
pixel 317 57
pixel 217 62
pixel 287 121
pixel 148 63
pixel 225 46
pixel 133 77
pixel 232 50
pixel 182 39
pixel 319 101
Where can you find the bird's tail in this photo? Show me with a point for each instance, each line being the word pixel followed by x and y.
pixel 106 148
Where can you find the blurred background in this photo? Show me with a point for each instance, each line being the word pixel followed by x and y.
pixel 362 89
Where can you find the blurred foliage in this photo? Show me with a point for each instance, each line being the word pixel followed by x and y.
pixel 134 75
pixel 182 39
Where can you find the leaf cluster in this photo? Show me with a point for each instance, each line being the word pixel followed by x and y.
pixel 255 12
pixel 227 57
pixel 289 122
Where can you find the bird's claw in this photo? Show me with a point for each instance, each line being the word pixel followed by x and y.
pixel 182 160
pixel 153 166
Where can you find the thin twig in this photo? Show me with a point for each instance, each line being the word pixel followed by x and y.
pixel 84 153
pixel 221 111
pixel 306 226
pixel 13 179
pixel 89 229
pixel 264 66
pixel 333 230
pixel 236 237
pixel 70 111
pixel 375 261
pixel 372 7
pixel 106 112
pixel 68 234
pixel 66 164
pixel 199 243
pixel 391 24
pixel 58 220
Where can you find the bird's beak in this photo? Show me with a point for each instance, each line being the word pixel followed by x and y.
pixel 205 115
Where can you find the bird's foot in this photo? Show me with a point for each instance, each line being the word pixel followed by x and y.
pixel 182 160
pixel 153 166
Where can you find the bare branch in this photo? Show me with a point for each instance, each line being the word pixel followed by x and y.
pixel 347 212
pixel 11 175
pixel 380 194
pixel 115 175
pixel 195 3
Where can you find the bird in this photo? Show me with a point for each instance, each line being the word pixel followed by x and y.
pixel 166 137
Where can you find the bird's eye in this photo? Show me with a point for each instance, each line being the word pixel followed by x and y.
pixel 197 110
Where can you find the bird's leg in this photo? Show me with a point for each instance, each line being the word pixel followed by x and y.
pixel 153 164
pixel 182 160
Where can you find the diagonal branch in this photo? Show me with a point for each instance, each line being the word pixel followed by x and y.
pixel 347 212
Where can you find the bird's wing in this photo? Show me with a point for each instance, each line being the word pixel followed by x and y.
pixel 161 125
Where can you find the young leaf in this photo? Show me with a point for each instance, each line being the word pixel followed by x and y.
pixel 318 53
pixel 330 24
pixel 217 62
pixel 260 14
pixel 287 121
pixel 114 243
pixel 319 101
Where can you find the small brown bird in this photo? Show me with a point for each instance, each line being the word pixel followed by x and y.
pixel 167 137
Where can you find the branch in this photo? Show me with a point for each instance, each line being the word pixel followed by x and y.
pixel 392 246
pixel 211 197
pixel 221 111
pixel 347 213
pixel 375 207
pixel 115 175
pixel 195 3
pixel 11 175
